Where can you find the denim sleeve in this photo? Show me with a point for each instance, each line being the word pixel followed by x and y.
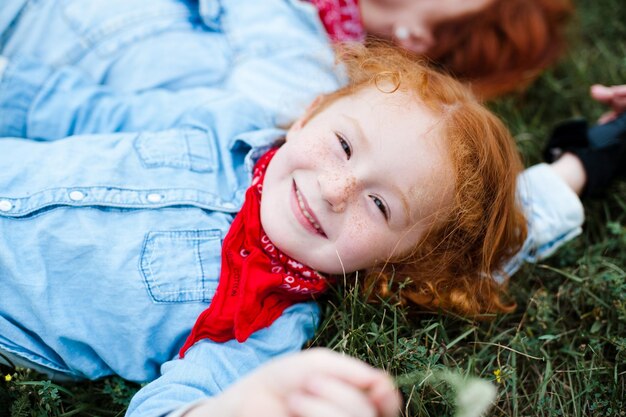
pixel 554 215
pixel 283 56
pixel 45 103
pixel 208 368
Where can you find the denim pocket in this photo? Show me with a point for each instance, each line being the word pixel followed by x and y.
pixel 193 150
pixel 181 265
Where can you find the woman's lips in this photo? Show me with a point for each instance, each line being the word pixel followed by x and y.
pixel 303 212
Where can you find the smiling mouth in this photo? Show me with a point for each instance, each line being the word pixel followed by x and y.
pixel 306 213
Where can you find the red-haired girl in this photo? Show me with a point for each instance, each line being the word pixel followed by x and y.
pixel 114 244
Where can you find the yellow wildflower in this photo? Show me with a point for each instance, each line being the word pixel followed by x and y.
pixel 498 374
pixel 8 377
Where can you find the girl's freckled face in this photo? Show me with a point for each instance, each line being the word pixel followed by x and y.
pixel 342 193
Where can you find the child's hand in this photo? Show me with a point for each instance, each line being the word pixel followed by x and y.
pixel 614 97
pixel 315 383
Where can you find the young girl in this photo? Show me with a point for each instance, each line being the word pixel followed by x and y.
pixel 114 244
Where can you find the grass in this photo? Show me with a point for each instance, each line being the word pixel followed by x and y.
pixel 562 353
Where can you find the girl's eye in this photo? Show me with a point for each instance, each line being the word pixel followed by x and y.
pixel 381 206
pixel 344 145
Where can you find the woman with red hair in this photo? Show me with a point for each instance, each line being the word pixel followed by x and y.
pixel 497 46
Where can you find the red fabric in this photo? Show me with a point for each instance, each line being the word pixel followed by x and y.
pixel 341 18
pixel 257 281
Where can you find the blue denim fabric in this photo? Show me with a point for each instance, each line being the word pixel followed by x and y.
pixel 275 52
pixel 110 243
pixel 125 302
pixel 554 215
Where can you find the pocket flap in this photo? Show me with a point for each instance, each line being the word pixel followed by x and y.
pixel 182 265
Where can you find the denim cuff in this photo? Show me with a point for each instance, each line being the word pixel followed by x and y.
pixel 554 216
pixel 20 82
pixel 557 214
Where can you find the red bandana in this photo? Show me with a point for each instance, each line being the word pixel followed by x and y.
pixel 257 281
pixel 341 19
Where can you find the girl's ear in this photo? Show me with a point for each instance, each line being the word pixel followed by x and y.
pixel 315 104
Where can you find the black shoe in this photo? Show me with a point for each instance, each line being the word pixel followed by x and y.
pixel 607 134
pixel 601 149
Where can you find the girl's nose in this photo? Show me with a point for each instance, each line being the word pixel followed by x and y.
pixel 338 191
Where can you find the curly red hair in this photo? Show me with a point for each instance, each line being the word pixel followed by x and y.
pixel 452 268
pixel 505 46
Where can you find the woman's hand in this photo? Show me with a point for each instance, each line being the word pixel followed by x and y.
pixel 314 383
pixel 614 97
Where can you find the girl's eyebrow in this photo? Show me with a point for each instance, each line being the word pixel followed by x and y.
pixel 359 130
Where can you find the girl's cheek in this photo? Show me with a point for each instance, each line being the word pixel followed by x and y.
pixel 314 151
pixel 364 238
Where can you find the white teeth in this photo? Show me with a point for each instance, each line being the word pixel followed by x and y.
pixel 308 215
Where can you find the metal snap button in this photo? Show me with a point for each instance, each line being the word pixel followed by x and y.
pixel 155 198
pixel 77 195
pixel 5 205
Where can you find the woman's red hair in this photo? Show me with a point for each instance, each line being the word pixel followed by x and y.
pixel 453 267
pixel 504 47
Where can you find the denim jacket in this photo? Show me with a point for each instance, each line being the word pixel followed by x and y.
pixel 275 52
pixel 110 244
pixel 159 67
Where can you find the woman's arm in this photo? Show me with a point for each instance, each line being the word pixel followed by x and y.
pixel 283 58
pixel 585 162
pixel 45 103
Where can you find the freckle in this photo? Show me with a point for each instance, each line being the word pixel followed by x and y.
pixel 351 186
pixel 317 152
pixel 358 227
